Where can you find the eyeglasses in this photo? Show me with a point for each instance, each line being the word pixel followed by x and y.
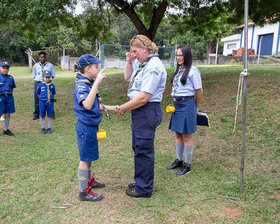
pixel 136 37
pixel 179 55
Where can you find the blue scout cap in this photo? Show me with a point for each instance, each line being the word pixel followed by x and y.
pixel 87 59
pixel 4 63
pixel 47 73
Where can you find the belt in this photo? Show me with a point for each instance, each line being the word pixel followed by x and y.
pixel 177 99
pixel 47 101
pixel 6 94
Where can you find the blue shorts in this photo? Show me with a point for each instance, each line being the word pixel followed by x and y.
pixel 87 142
pixel 46 107
pixel 7 104
pixel 183 120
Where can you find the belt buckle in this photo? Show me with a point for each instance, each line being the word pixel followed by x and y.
pixel 47 101
pixel 174 99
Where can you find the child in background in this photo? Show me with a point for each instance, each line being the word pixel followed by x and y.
pixel 46 92
pixel 7 106
pixel 88 114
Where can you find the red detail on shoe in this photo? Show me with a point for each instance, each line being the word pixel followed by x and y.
pixel 91 182
pixel 88 189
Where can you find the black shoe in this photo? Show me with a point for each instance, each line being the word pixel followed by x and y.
pixel 8 132
pixel 43 131
pixel 88 195
pixel 185 169
pixel 35 117
pixel 132 193
pixel 95 184
pixel 131 185
pixel 49 130
pixel 177 163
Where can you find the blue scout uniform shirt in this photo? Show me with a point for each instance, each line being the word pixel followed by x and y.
pixel 38 69
pixel 82 88
pixel 151 79
pixel 7 83
pixel 46 91
pixel 193 82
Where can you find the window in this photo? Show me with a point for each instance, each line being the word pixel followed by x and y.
pixel 231 46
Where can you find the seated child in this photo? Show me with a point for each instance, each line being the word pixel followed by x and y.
pixel 46 92
pixel 7 106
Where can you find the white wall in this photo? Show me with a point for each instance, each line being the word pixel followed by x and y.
pixel 229 43
pixel 266 29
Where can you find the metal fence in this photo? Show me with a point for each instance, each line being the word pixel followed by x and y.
pixel 113 56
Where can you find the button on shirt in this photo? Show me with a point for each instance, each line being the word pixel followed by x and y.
pixel 7 83
pixel 151 79
pixel 193 82
pixel 46 91
pixel 82 88
pixel 38 69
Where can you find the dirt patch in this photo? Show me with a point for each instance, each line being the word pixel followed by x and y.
pixel 230 212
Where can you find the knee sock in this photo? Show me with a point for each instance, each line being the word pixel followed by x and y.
pixel 188 154
pixel 83 179
pixel 7 123
pixel 50 123
pixel 42 119
pixel 179 151
pixel 89 171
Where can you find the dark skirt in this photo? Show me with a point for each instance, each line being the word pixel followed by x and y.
pixel 183 120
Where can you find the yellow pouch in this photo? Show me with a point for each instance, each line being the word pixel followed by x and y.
pixel 101 134
pixel 170 108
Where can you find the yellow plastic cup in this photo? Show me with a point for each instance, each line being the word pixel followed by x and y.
pixel 101 134
pixel 170 108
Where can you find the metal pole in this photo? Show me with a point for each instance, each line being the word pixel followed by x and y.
pixel 260 46
pixel 216 56
pixel 244 93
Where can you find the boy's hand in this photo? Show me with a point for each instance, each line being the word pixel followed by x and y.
pixel 100 76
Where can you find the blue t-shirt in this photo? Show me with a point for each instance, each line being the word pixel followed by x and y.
pixel 151 79
pixel 193 82
pixel 82 89
pixel 46 91
pixel 38 69
pixel 7 84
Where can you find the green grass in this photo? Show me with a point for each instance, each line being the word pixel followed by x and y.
pixel 39 173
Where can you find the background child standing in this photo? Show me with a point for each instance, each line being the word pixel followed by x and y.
pixel 46 92
pixel 87 111
pixel 7 106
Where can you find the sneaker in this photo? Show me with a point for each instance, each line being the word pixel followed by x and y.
pixel 95 184
pixel 43 131
pixel 49 130
pixel 132 193
pixel 177 163
pixel 186 168
pixel 88 195
pixel 8 132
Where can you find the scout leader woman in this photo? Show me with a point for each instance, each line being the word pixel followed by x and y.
pixel 186 94
pixel 146 87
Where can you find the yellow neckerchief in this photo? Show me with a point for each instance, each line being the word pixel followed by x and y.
pixel 48 89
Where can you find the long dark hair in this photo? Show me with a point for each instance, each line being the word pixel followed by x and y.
pixel 187 54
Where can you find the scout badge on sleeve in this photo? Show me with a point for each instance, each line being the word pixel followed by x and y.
pixel 203 119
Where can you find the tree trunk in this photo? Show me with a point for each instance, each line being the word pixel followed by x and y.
pixel 127 8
